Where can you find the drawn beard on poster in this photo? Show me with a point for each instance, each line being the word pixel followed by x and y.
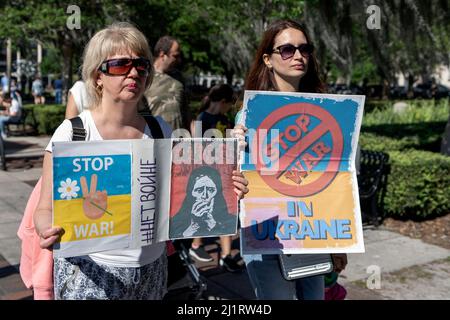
pixel 204 211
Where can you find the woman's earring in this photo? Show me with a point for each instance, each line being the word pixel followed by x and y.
pixel 99 89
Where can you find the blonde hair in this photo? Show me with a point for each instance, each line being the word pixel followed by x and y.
pixel 120 37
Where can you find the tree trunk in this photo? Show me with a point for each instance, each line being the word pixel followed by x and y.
pixel 67 69
pixel 8 62
pixel 410 93
pixel 385 92
pixel 229 76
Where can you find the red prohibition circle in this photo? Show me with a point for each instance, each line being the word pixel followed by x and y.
pixel 328 124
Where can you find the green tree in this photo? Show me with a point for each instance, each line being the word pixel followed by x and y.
pixel 222 36
pixel 46 21
pixel 331 27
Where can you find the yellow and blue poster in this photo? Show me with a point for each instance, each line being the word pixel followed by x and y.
pixel 300 164
pixel 119 194
pixel 92 196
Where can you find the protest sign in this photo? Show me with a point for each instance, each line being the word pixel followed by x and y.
pixel 91 202
pixel 117 194
pixel 300 164
pixel 202 202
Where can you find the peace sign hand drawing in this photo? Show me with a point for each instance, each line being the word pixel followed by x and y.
pixel 94 202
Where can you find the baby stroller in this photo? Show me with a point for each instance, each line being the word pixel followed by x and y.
pixel 184 280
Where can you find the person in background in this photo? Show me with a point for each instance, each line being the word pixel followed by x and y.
pixel 58 86
pixel 212 115
pixel 14 85
pixel 12 112
pixel 37 90
pixel 77 100
pixel 284 61
pixel 5 83
pixel 166 96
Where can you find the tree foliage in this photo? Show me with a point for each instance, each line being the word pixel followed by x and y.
pixel 46 21
pixel 222 36
pixel 413 38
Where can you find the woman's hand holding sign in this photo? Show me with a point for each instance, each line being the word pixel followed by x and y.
pixel 339 261
pixel 49 237
pixel 94 202
pixel 239 132
pixel 239 181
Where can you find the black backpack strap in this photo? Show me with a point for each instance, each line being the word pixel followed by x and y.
pixel 78 131
pixel 154 126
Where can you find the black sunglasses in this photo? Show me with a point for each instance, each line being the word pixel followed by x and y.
pixel 120 67
pixel 287 51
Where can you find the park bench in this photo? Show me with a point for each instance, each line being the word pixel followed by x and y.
pixel 16 128
pixel 19 124
pixel 372 180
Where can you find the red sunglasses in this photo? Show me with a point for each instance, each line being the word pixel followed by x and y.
pixel 121 67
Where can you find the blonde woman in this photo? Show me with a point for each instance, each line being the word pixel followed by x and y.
pixel 117 69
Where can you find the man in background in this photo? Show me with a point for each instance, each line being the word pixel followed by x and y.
pixel 166 95
pixel 5 83
pixel 58 86
pixel 37 90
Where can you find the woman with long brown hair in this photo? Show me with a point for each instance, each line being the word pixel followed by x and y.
pixel 285 61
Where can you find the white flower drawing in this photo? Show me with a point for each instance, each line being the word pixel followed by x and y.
pixel 68 189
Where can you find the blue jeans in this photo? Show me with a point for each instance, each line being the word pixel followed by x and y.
pixel 268 282
pixel 58 96
pixel 4 119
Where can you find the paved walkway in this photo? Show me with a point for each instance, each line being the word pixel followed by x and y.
pixel 15 187
pixel 393 267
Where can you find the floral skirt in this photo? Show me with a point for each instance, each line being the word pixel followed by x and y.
pixel 80 278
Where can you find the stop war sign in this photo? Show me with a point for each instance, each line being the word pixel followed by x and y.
pixel 296 142
pixel 303 191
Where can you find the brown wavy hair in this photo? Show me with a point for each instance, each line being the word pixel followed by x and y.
pixel 217 93
pixel 261 78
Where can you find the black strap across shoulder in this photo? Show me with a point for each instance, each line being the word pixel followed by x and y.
pixel 79 133
pixel 154 126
